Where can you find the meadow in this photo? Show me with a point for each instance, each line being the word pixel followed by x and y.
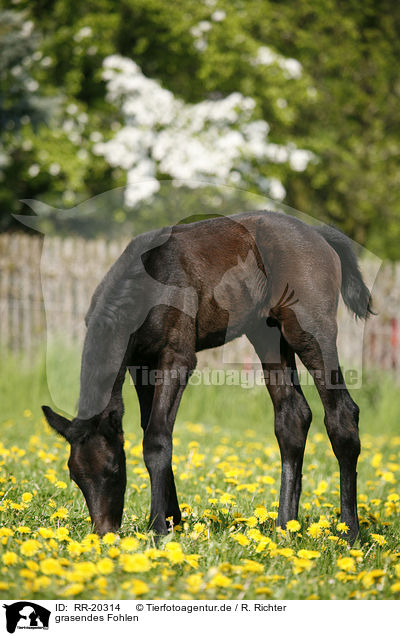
pixel 227 467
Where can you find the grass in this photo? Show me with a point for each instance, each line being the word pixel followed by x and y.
pixel 227 467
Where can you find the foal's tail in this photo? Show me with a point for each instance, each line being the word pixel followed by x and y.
pixel 355 293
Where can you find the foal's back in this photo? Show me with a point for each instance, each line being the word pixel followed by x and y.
pixel 239 266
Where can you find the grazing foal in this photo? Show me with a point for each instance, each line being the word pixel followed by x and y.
pixel 190 287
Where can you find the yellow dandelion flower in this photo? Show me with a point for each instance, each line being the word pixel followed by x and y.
pixel 376 460
pixel 46 533
pixel 379 539
pixel 308 554
pixel 84 571
pixel 91 543
pixel 301 564
pixel 286 552
pixel 23 529
pixel 219 580
pixel 30 547
pixel 314 530
pixel 261 513
pixel 41 582
pixel 262 544
pixel 323 522
pixel 346 563
pixel 60 513
pixel 251 522
pixel 342 527
pixel 114 552
pixel 51 566
pixel 101 583
pixel 74 548
pixel 252 566
pixel 254 534
pixel 62 534
pixel 109 538
pixel 241 539
pixel 27 497
pixel 105 566
pixel 267 479
pixel 194 583
pixel 72 590
pixel 369 578
pixel 293 526
pixel 263 591
pixel 61 484
pixel 395 587
pixel 27 574
pixel 192 560
pixel 139 587
pixel 135 562
pixel 129 544
pixel 9 558
pixel 322 487
pixel 358 554
pixel 173 552
pixel 153 553
pixel 32 565
pixel 227 498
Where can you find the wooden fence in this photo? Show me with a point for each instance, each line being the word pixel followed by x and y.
pixel 46 285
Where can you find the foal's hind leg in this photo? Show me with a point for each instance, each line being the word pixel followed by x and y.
pixel 292 413
pixel 318 352
pixel 145 392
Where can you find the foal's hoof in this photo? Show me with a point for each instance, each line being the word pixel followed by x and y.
pixel 174 520
pixel 159 532
pixel 159 538
pixel 350 536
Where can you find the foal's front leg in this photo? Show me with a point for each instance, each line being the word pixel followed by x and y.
pixel 157 438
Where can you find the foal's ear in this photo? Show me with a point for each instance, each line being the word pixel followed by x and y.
pixel 56 421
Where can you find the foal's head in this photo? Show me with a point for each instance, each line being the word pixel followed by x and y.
pixel 96 464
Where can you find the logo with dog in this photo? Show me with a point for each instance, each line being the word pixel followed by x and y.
pixel 26 615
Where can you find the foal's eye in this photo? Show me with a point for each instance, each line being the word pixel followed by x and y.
pixel 112 470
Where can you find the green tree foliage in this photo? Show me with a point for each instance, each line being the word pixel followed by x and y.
pixel 341 103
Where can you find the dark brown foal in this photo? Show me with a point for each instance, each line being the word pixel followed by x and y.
pixel 191 287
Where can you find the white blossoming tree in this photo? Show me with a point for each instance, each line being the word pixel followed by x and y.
pixel 217 140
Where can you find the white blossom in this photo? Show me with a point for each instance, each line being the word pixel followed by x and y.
pixel 84 32
pixel 213 139
pixel 218 16
pixel 266 56
pixel 54 169
pixel 276 189
pixel 34 170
